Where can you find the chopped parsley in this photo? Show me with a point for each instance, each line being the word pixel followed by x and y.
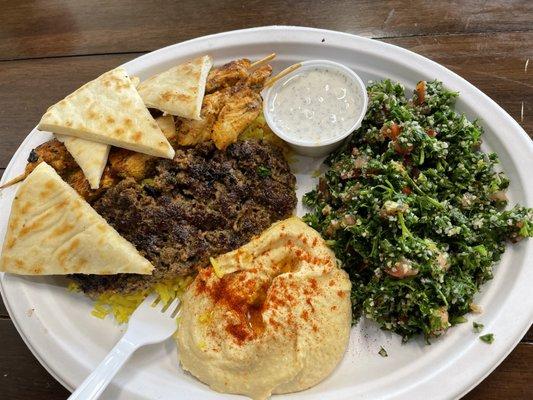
pixel 415 211
pixel 488 338
pixel 263 171
pixel 477 327
pixel 458 320
pixel 382 352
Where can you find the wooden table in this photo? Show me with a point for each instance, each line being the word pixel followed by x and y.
pixel 49 48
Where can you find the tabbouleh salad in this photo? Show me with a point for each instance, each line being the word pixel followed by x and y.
pixel 415 211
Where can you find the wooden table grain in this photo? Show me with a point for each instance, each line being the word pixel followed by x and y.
pixel 49 48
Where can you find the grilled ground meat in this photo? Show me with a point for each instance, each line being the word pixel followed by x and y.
pixel 202 203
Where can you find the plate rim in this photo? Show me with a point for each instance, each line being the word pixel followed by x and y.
pixel 151 57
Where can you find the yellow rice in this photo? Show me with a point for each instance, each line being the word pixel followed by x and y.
pixel 121 306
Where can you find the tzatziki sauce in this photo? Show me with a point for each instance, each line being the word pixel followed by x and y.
pixel 316 105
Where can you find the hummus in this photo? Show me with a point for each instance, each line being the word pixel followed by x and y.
pixel 273 316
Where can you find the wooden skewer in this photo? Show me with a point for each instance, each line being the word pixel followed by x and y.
pixel 16 179
pixel 286 71
pixel 262 61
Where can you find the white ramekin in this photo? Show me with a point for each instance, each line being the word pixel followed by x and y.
pixel 323 147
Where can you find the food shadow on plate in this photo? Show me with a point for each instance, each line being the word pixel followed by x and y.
pixel 56 281
pixel 53 284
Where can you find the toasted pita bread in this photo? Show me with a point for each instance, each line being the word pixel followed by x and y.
pixel 108 110
pixel 180 90
pixel 135 80
pixel 53 231
pixel 90 156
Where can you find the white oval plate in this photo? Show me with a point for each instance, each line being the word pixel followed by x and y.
pixel 59 330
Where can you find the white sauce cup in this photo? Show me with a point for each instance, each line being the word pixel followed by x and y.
pixel 321 147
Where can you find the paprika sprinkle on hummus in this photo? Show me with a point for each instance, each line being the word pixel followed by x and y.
pixel 271 320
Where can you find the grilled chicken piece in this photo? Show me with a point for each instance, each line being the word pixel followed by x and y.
pixel 55 154
pixel 227 75
pixel 225 114
pixel 235 72
pixel 239 111
pixel 77 180
pixel 125 163
pixel 258 77
pixel 191 132
pixel 231 106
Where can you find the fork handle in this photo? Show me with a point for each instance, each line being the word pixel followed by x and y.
pixel 95 383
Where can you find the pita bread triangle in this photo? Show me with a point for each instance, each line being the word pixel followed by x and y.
pixel 53 231
pixel 108 110
pixel 180 90
pixel 90 156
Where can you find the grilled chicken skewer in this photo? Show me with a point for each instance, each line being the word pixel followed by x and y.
pixel 231 103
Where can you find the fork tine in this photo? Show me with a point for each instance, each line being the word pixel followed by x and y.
pixel 176 310
pixel 148 302
pixel 170 306
pixel 165 306
pixel 151 300
pixel 156 301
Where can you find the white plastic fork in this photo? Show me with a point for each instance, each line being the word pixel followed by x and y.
pixel 150 323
